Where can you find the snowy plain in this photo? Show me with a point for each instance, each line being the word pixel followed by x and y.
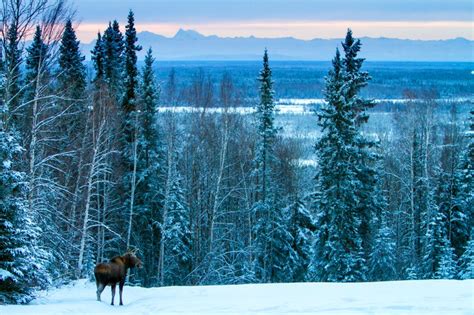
pixel 393 297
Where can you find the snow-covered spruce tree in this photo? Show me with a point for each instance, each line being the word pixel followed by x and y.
pixel 433 245
pixel 71 78
pixel 98 58
pixel 113 49
pixel 265 207
pixel 130 146
pixel 266 129
pixel 339 255
pixel 177 236
pixel 13 60
pixel 451 201
pixel 301 227
pixel 466 171
pixel 36 74
pixel 466 261
pixel 382 258
pixel 371 201
pixel 22 260
pixel 151 167
pixel 71 129
pixel 283 257
pixel 131 71
pixel 71 72
pixel 447 263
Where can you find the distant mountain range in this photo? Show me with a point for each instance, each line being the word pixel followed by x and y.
pixel 191 45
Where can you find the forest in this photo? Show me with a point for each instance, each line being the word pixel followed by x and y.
pixel 91 168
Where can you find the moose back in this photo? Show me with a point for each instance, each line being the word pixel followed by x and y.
pixel 115 271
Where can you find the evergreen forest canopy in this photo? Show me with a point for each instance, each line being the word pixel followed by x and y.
pixel 91 168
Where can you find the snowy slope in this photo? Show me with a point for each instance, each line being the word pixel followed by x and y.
pixel 401 297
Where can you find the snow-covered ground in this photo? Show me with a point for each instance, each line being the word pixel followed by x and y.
pixel 399 297
pixel 294 106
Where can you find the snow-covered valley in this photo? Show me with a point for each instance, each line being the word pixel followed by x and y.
pixel 394 297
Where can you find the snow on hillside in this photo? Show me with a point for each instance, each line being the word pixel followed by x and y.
pixel 398 297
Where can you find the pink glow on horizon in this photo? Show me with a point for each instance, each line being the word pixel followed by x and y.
pixel 429 30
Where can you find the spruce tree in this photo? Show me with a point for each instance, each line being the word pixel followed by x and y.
pixel 266 207
pixel 283 257
pixel 433 245
pixel 301 227
pixel 452 202
pixel 177 237
pixel 113 48
pixel 447 263
pixel 72 73
pixel 371 201
pixel 466 179
pixel 37 73
pixel 151 166
pixel 382 257
pixel 345 196
pixel 266 128
pixel 22 260
pixel 466 261
pixel 131 129
pixel 72 84
pixel 98 58
pixel 13 61
pixel 131 71
pixel 35 67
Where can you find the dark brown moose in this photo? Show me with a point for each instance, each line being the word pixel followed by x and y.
pixel 115 271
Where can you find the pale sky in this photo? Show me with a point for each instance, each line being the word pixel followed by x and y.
pixel 304 19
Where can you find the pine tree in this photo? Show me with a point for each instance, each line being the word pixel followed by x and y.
pixel 72 73
pixel 382 257
pixel 151 167
pixel 301 227
pixel 177 237
pixel 451 202
pixel 131 128
pixel 72 84
pixel 283 256
pixel 447 263
pixel 466 261
pixel 370 201
pixel 13 61
pixel 35 67
pixel 266 127
pixel 345 198
pixel 131 71
pixel 434 244
pixel 266 206
pixel 466 181
pixel 22 261
pixel 113 48
pixel 98 57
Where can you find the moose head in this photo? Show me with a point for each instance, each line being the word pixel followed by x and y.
pixel 131 259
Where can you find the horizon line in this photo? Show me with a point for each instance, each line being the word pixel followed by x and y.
pixel 302 30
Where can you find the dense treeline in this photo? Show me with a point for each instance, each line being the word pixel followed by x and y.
pixel 90 168
pixel 305 79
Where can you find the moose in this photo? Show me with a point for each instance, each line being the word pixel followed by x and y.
pixel 115 271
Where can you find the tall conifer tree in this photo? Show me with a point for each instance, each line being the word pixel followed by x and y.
pixel 98 57
pixel 346 182
pixel 22 260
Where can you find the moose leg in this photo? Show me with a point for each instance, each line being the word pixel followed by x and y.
pixel 100 288
pixel 120 290
pixel 113 293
